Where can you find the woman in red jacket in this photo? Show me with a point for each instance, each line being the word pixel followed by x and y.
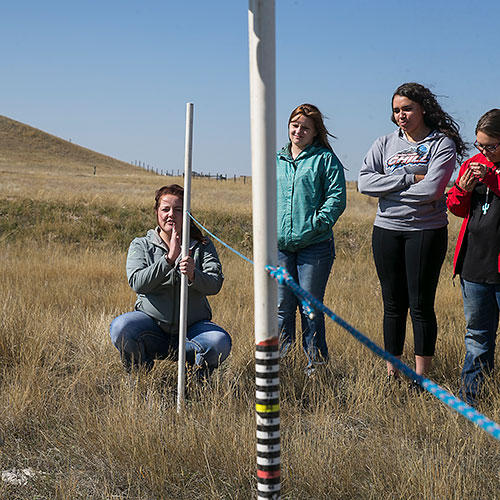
pixel 476 197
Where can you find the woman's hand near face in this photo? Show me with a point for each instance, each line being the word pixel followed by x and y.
pixel 174 246
pixel 478 169
pixel 186 266
pixel 468 180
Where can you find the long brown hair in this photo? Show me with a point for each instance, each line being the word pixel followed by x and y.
pixel 312 112
pixel 178 192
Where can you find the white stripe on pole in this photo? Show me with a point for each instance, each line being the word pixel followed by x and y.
pixel 188 160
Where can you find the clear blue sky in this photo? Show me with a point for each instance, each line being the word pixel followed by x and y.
pixel 115 75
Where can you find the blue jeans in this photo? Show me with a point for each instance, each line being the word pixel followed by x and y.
pixel 140 341
pixel 481 306
pixel 310 268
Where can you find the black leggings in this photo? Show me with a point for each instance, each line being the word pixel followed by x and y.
pixel 408 265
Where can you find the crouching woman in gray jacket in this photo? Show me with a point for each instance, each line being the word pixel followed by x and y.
pixel 154 267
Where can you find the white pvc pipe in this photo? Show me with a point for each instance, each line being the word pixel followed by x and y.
pixel 188 161
pixel 261 23
pixel 262 48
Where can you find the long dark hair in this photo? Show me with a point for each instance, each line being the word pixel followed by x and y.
pixel 312 112
pixel 178 191
pixel 434 116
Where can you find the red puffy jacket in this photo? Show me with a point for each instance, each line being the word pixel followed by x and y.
pixel 458 200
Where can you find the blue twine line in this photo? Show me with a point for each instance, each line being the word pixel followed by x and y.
pixel 309 303
pixel 306 307
pixel 281 275
pixel 219 240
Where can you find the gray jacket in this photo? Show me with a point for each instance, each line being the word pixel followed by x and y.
pixel 388 172
pixel 157 283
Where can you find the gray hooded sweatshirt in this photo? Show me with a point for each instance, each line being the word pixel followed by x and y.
pixel 388 173
pixel 157 283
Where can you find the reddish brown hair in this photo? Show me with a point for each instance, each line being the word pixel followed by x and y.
pixel 312 112
pixel 178 191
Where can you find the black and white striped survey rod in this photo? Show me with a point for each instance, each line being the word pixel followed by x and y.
pixel 268 419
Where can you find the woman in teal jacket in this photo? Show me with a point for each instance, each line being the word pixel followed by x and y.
pixel 311 197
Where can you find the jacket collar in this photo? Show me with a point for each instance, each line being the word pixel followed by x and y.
pixel 311 150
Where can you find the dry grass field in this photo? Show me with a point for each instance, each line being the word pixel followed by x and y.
pixel 72 418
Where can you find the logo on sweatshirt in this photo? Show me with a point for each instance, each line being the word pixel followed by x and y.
pixel 414 156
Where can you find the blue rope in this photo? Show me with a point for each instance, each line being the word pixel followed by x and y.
pixel 309 303
pixel 281 275
pixel 220 241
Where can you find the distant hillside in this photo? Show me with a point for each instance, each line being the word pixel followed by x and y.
pixel 22 145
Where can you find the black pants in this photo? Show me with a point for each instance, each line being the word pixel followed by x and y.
pixel 408 265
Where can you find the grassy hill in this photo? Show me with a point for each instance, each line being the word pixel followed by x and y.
pixel 23 145
pixel 35 165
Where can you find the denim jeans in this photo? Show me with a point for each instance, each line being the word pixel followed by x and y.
pixel 140 341
pixel 310 268
pixel 481 306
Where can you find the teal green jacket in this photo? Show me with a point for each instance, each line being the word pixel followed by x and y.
pixel 311 196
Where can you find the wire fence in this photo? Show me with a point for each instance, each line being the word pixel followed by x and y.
pixel 197 175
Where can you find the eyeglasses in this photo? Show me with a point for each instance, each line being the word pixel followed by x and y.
pixel 489 148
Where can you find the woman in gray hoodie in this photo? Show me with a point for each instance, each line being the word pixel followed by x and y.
pixel 408 171
pixel 154 268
